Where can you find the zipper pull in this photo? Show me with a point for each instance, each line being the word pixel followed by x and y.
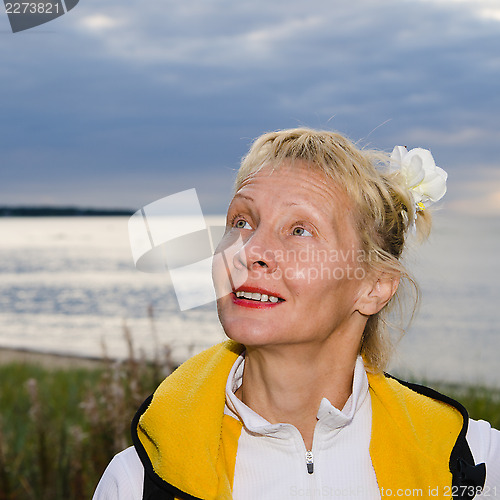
pixel 309 462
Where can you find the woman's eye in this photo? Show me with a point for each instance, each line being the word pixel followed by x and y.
pixel 242 224
pixel 300 231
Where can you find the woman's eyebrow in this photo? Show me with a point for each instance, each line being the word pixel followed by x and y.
pixel 246 197
pixel 304 204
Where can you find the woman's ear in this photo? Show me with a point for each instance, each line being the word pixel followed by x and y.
pixel 377 294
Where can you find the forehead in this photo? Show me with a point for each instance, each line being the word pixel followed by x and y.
pixel 293 183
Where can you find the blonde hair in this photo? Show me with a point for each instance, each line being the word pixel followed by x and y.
pixel 383 209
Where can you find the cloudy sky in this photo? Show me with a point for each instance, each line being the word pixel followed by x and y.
pixel 121 102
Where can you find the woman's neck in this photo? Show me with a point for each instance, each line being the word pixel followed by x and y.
pixel 287 383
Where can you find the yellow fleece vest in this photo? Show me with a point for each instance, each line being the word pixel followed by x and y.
pixel 192 445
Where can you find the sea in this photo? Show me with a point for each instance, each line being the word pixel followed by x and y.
pixel 68 285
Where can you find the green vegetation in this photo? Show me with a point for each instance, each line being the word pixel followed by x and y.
pixel 60 427
pixel 482 403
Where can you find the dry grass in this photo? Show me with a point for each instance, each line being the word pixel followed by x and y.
pixel 60 427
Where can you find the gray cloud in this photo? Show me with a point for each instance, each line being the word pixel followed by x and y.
pixel 118 103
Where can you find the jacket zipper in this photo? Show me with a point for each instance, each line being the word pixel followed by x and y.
pixel 309 461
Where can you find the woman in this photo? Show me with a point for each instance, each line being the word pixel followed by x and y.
pixel 296 403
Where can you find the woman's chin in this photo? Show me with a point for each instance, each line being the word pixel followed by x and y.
pixel 250 333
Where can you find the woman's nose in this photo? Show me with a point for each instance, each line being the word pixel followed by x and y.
pixel 257 253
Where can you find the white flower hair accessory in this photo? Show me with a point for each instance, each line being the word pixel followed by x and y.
pixel 425 181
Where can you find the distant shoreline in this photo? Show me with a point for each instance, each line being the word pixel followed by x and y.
pixel 63 212
pixel 48 360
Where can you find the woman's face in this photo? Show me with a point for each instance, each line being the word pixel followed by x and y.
pixel 297 273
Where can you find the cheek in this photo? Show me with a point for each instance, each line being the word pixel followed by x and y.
pixel 219 267
pixel 224 273
pixel 323 275
pixel 219 275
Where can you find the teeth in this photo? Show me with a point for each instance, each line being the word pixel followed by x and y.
pixel 257 296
